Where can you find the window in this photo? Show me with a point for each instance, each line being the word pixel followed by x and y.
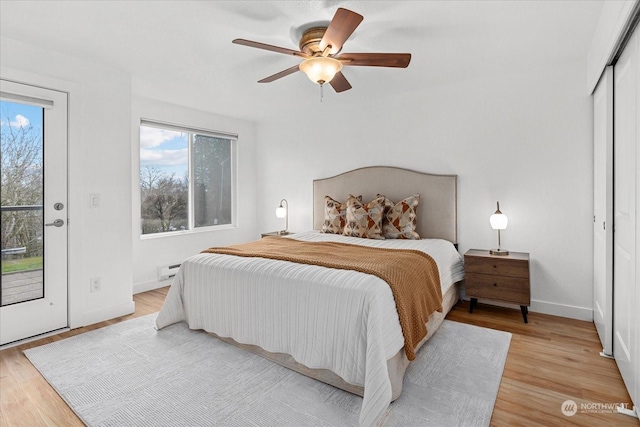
pixel 186 178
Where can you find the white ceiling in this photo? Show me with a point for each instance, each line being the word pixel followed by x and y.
pixel 181 51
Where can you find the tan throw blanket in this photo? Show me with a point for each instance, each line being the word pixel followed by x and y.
pixel 412 275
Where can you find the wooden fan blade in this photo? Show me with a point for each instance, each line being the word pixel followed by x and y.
pixel 397 60
pixel 339 83
pixel 270 47
pixel 281 74
pixel 342 25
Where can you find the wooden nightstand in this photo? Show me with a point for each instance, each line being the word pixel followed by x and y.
pixel 502 278
pixel 277 233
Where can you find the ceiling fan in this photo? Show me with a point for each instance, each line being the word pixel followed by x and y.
pixel 320 47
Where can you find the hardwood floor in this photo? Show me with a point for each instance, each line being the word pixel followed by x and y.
pixel 27 399
pixel 551 359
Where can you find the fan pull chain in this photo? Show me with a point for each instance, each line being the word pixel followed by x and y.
pixel 321 92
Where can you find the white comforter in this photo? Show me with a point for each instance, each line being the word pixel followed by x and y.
pixel 341 320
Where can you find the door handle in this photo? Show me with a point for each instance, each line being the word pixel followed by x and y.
pixel 56 223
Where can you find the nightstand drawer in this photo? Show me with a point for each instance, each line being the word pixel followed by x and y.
pixel 496 266
pixel 514 290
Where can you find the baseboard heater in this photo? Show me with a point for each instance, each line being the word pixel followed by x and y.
pixel 167 272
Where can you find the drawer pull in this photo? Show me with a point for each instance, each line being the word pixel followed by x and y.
pixel 495 266
pixel 495 284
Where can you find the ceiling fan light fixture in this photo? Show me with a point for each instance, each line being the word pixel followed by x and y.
pixel 320 69
pixel 320 44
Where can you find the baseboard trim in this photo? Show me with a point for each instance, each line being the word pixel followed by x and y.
pixel 149 286
pixel 562 310
pixel 630 412
pixel 545 307
pixel 108 313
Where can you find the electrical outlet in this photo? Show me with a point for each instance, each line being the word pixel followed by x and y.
pixel 95 284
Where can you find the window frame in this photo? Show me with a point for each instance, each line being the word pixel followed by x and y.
pixel 191 131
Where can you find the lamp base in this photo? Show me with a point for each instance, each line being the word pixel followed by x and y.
pixel 283 233
pixel 499 252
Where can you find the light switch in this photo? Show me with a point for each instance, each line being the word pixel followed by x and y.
pixel 94 200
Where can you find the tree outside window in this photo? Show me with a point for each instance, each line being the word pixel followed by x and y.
pixel 185 179
pixel 21 155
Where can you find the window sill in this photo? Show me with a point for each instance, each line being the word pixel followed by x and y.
pixel 187 232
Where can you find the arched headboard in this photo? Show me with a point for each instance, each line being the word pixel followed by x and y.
pixel 437 211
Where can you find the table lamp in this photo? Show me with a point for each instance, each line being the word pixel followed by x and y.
pixel 499 222
pixel 283 212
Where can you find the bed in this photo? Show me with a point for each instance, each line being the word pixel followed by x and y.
pixel 338 326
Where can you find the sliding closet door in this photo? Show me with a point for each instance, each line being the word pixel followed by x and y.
pixel 625 275
pixel 603 210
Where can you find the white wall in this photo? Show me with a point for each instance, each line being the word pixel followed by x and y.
pixel 151 253
pixel 514 131
pixel 520 134
pixel 99 163
pixel 104 159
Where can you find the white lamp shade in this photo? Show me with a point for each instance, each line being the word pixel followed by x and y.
pixel 281 212
pixel 499 221
pixel 320 69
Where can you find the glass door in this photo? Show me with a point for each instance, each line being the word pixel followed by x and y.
pixel 33 287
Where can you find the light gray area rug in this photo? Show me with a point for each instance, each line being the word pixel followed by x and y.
pixel 129 374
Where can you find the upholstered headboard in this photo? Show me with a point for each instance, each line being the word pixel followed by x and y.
pixel 437 211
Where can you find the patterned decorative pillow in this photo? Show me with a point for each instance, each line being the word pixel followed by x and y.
pixel 364 220
pixel 335 215
pixel 400 219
